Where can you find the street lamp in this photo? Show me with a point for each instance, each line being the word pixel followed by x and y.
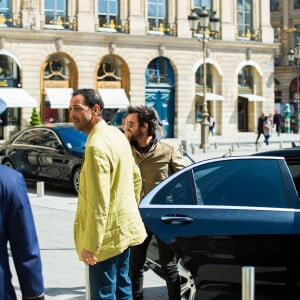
pixel 199 21
pixel 292 55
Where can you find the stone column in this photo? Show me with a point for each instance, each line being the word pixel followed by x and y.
pixel 137 17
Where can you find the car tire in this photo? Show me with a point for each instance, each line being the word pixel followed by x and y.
pixel 188 287
pixel 8 163
pixel 75 179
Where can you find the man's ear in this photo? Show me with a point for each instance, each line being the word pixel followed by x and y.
pixel 145 127
pixel 96 109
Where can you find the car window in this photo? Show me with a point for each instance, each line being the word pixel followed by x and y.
pixel 176 192
pixel 30 137
pixel 294 166
pixel 38 137
pixel 72 138
pixel 240 183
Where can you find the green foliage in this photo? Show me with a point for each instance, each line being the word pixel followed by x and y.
pixel 35 118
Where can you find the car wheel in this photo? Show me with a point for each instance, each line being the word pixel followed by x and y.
pixel 188 288
pixel 8 163
pixel 75 179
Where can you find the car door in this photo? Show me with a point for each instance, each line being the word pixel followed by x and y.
pixel 24 152
pixel 53 162
pixel 226 211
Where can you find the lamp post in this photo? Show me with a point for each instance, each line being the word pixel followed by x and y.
pixel 199 21
pixel 292 55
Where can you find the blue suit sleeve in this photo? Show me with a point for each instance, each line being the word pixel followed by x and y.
pixel 24 242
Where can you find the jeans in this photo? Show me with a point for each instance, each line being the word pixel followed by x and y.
pixel 168 263
pixel 109 279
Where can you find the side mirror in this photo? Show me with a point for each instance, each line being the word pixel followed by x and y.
pixel 60 148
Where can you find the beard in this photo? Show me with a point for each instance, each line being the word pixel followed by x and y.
pixel 135 136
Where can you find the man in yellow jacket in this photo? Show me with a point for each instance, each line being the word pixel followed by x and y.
pixel 107 220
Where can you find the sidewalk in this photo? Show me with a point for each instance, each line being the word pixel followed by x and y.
pixel 239 144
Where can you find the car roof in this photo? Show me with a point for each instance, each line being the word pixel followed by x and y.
pixel 280 152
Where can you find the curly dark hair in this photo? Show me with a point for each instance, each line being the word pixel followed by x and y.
pixel 146 115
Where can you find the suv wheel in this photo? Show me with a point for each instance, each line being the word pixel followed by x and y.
pixel 188 287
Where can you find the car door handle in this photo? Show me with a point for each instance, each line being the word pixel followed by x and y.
pixel 176 219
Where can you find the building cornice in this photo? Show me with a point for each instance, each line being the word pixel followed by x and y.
pixel 130 41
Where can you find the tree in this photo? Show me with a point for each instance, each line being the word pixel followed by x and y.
pixel 35 118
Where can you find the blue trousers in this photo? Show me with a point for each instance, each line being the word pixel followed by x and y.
pixel 109 279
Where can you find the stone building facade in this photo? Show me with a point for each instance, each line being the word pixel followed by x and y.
pixel 137 51
pixel 285 19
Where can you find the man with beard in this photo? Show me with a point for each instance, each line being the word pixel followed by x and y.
pixel 157 158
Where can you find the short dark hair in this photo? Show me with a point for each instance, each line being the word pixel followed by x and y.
pixel 145 114
pixel 91 97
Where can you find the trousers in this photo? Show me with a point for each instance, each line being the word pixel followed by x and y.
pixel 109 279
pixel 168 263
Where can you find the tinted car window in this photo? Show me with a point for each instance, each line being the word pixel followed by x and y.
pixel 240 183
pixel 30 137
pixel 176 192
pixel 72 138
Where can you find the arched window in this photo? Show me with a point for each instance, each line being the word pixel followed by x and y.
pixel 245 80
pixel 199 77
pixel 159 71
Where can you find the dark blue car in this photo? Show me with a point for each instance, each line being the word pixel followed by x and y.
pixel 52 153
pixel 222 214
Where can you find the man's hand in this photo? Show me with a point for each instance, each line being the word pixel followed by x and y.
pixel 88 257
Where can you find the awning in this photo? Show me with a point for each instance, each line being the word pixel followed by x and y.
pixel 17 97
pixel 211 96
pixel 114 98
pixel 253 97
pixel 59 97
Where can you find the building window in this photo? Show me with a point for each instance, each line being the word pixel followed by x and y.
pixel 274 5
pixel 199 78
pixel 108 15
pixel 244 20
pixel 297 34
pixel 56 14
pixel 203 3
pixel 157 17
pixel 9 72
pixel 296 4
pixel 245 80
pixel 5 13
pixel 159 71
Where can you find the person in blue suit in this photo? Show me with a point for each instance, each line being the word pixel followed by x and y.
pixel 17 229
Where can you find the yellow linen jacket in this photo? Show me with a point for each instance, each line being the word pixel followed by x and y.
pixel 107 220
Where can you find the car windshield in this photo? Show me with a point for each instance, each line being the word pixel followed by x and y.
pixel 72 138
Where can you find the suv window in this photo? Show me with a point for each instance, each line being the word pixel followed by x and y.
pixel 240 183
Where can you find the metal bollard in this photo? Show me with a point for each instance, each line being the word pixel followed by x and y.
pixel 248 283
pixel 40 189
pixel 184 145
pixel 192 148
